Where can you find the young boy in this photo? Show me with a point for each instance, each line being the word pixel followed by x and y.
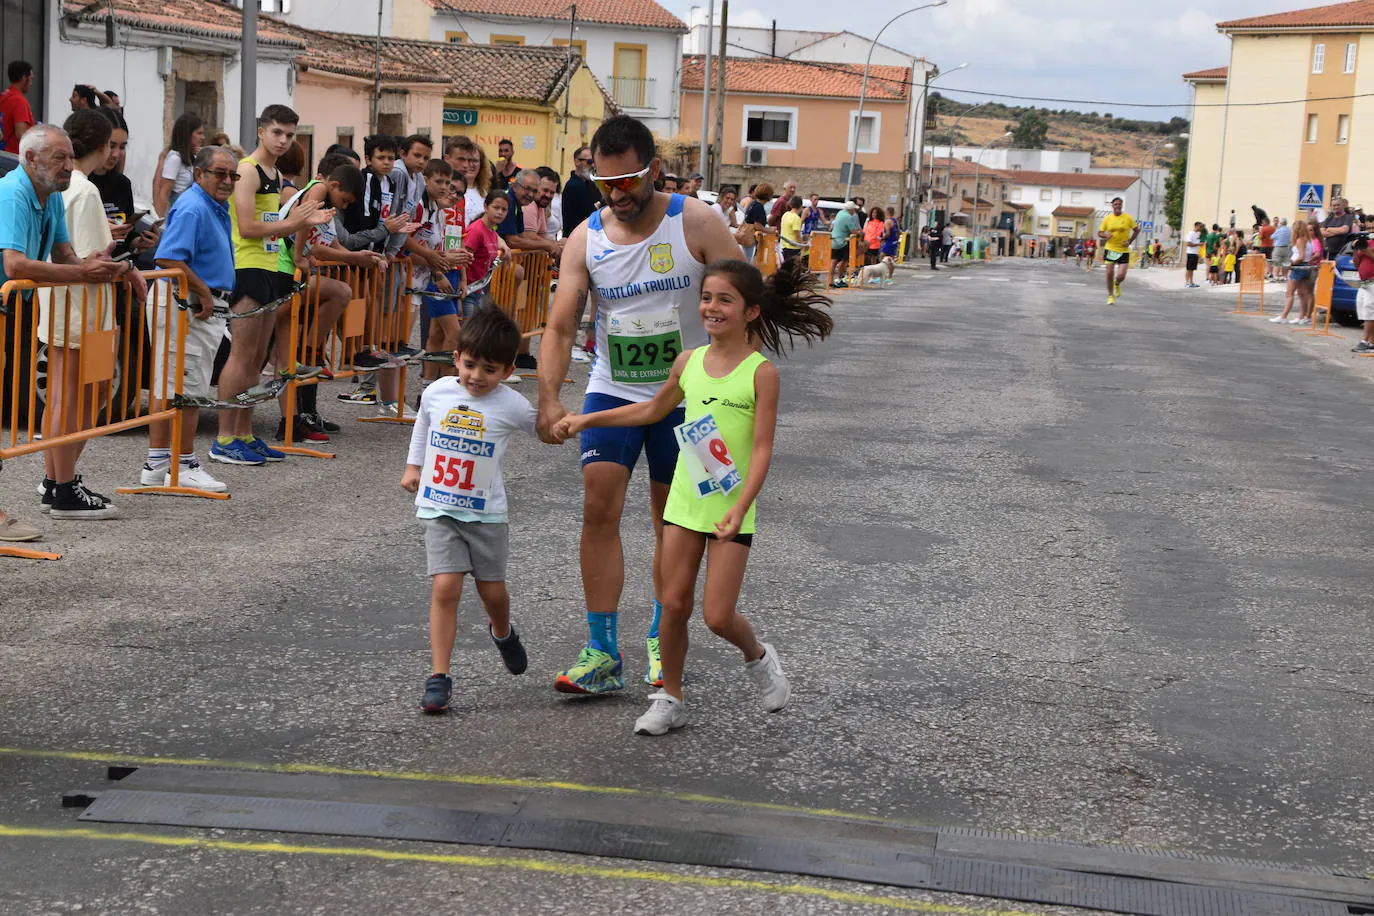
pixel 454 468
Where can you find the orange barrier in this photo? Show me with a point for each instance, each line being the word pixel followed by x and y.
pixel 1321 299
pixel 856 260
pixel 527 300
pixel 95 342
pixel 1251 283
pixel 818 253
pixel 766 252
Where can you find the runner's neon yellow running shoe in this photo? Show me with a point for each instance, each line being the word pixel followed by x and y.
pixel 1111 300
pixel 595 672
pixel 654 676
pixel 1118 288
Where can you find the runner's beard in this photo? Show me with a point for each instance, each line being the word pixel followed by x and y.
pixel 641 204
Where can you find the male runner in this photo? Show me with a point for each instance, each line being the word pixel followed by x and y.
pixel 1117 232
pixel 641 258
pixel 257 233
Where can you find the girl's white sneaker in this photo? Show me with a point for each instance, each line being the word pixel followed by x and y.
pixel 767 673
pixel 666 713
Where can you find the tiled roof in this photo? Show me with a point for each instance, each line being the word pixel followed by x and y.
pixel 769 76
pixel 963 167
pixel 1337 15
pixel 1072 180
pixel 1016 205
pixel 1072 211
pixel 643 13
pixel 1205 76
pixel 351 55
pixel 198 18
pixel 526 74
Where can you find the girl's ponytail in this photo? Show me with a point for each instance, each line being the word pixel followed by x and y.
pixel 789 302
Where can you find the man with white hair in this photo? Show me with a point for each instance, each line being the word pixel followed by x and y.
pixel 35 245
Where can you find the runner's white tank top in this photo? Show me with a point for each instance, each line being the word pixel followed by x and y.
pixel 647 306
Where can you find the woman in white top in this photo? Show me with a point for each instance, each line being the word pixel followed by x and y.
pixel 176 175
pixel 1305 258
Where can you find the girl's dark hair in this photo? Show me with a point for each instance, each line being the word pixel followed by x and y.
pixel 493 195
pixel 116 119
pixel 789 302
pixel 89 130
pixel 490 335
pixel 182 129
pixel 293 162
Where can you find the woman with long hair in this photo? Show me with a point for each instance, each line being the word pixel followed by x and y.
pixel 175 174
pixel 1302 273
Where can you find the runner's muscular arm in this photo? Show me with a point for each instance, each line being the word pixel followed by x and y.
pixel 555 349
pixel 641 414
pixel 767 387
pixel 707 235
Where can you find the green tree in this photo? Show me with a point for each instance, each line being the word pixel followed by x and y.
pixel 1173 190
pixel 1031 130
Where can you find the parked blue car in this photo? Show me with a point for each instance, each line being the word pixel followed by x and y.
pixel 1342 293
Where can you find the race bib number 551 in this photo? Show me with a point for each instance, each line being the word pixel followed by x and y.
pixel 643 347
pixel 458 472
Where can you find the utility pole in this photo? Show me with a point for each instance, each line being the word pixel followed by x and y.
pixel 567 95
pixel 248 77
pixel 377 72
pixel 704 157
pixel 716 147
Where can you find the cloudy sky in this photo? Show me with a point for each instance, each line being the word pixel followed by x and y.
pixel 1124 52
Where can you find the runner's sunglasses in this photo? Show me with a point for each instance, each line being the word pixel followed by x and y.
pixel 627 183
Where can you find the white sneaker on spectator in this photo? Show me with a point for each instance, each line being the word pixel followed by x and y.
pixel 195 475
pixel 1278 319
pixel 152 477
pixel 1303 321
pixel 394 410
pixel 772 683
pixel 579 355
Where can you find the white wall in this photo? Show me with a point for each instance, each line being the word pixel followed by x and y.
pixel 758 41
pixel 337 15
pixel 271 90
pixel 662 64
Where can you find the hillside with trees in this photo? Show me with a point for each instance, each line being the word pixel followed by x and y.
pixel 1114 142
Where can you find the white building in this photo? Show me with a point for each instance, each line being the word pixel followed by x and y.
pixel 1070 204
pixel 182 56
pixel 634 49
pixel 1035 160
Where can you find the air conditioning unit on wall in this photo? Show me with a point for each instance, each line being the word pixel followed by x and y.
pixel 755 156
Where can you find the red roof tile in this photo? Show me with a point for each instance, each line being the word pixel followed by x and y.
pixel 643 13
pixel 963 167
pixel 200 18
pixel 1072 179
pixel 769 76
pixel 1337 15
pixel 1207 76
pixel 351 55
pixel 1072 211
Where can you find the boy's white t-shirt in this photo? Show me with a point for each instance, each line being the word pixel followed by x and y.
pixel 483 424
pixel 473 205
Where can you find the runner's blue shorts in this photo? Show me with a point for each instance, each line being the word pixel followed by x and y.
pixel 622 444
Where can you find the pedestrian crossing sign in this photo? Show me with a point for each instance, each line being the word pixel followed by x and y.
pixel 1310 196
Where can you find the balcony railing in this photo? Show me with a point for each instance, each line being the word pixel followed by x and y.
pixel 632 91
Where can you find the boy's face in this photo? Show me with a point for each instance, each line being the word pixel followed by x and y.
pixel 417 157
pixel 339 199
pixel 437 187
pixel 276 138
pixel 480 376
pixel 382 160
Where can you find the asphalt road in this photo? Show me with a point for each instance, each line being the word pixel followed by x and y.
pixel 1033 564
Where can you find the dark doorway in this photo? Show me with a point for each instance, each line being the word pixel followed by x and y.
pixel 22 38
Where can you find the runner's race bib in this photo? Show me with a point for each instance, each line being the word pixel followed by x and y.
pixel 642 348
pixel 458 471
pixel 708 458
pixel 270 245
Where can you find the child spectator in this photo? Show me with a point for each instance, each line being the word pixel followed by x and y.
pixel 454 468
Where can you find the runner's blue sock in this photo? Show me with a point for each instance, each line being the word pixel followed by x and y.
pixel 601 629
pixel 658 612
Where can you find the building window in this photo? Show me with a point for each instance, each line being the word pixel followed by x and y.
pixel 1312 128
pixel 578 44
pixel 1044 222
pixel 1076 197
pixel 1337 190
pixel 510 41
pixel 867 132
pixel 1350 57
pixel 1065 227
pixel 769 126
pixel 456 38
pixel 1046 194
pixel 1015 193
pixel 345 137
pixel 1342 128
pixel 1318 58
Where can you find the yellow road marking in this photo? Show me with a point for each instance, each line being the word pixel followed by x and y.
pixel 545 866
pixel 459 779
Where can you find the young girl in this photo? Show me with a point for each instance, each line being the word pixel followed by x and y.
pixel 484 243
pixel 1228 267
pixel 712 512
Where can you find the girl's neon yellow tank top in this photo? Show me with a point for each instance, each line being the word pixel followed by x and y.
pixel 730 400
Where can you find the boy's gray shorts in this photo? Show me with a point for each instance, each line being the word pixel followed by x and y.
pixel 479 548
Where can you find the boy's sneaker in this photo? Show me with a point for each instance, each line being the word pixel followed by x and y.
pixel 526 361
pixel 359 396
pixel 595 672
pixel 267 452
pixel 512 651
pixel 666 713
pixel 1363 346
pixel 194 475
pixel 74 501
pixel 319 422
pixel 370 361
pixel 150 476
pixel 48 490
pixel 394 410
pixel 302 428
pixel 301 372
pixel 1278 319
pixel 236 452
pixel 580 355
pixel 403 351
pixel 438 691
pixel 654 676
pixel 772 683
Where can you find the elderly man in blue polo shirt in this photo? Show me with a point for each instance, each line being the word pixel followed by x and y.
pixel 35 245
pixel 196 238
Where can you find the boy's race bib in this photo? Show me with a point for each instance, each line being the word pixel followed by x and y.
pixel 642 348
pixel 269 244
pixel 708 457
pixel 458 471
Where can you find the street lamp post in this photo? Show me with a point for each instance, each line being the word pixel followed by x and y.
pixel 976 162
pixel 921 147
pixel 1149 185
pixel 863 91
pixel 930 183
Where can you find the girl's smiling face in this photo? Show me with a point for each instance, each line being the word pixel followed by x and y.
pixel 722 308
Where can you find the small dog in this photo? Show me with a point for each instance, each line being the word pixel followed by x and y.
pixel 879 274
